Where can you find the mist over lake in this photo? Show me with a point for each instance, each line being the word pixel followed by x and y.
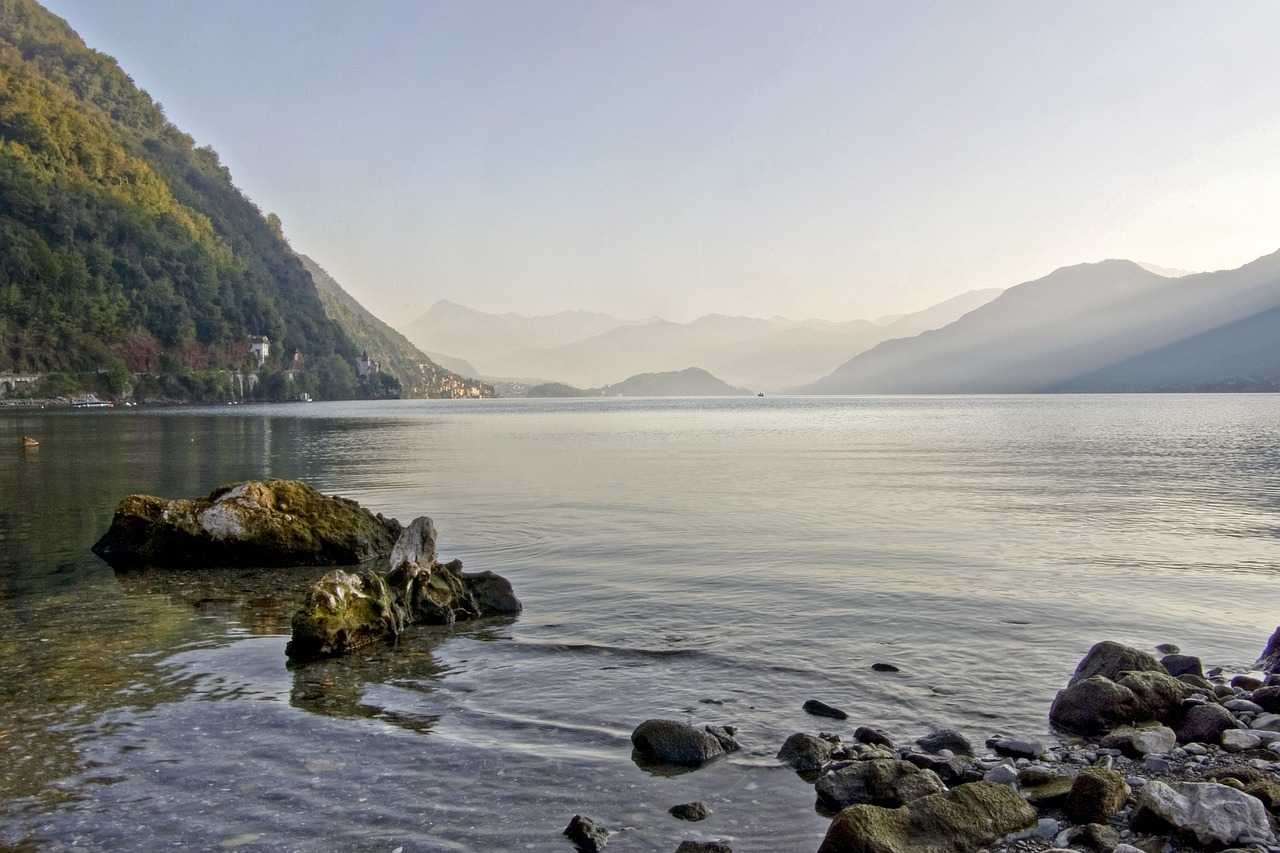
pixel 709 560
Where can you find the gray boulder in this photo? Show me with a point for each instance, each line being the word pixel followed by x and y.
pixel 695 811
pixel 1213 814
pixel 880 782
pixel 1159 695
pixel 941 739
pixel 1141 741
pixel 1183 665
pixel 1268 698
pixel 674 742
pixel 804 752
pixel 1095 704
pixel 1017 747
pixel 1205 724
pixel 821 709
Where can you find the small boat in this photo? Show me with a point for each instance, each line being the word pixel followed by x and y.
pixel 90 401
pixel 761 394
pixel 28 441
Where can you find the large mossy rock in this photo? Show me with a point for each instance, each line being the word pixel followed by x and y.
pixel 1111 660
pixel 962 820
pixel 344 611
pixel 255 523
pixel 1096 794
pixel 880 782
pixel 1096 704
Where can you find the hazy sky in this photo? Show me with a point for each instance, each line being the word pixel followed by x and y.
pixel 832 159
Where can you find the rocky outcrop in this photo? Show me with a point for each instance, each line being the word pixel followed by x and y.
pixel 344 611
pixel 1115 685
pixel 1215 815
pixel 674 742
pixel 962 820
pixel 254 523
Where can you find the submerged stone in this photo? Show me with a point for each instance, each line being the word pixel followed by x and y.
pixel 254 523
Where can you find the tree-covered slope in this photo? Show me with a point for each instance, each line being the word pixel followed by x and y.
pixel 120 241
pixel 418 375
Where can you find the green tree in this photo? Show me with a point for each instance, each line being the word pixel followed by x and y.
pixel 335 378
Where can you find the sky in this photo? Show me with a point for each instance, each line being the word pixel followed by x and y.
pixel 814 159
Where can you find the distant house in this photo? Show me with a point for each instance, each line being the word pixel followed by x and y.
pixel 259 348
pixel 365 366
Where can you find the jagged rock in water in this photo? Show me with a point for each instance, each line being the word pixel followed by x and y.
pixel 587 835
pixel 963 820
pixel 346 610
pixel 254 523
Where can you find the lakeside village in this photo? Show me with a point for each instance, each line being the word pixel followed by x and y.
pixel 259 378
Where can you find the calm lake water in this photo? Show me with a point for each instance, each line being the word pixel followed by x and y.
pixel 712 560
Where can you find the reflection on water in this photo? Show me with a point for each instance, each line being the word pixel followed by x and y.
pixel 717 561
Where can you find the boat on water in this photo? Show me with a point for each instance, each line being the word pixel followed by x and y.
pixel 28 441
pixel 90 401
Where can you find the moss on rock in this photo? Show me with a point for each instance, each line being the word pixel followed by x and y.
pixel 962 820
pixel 254 523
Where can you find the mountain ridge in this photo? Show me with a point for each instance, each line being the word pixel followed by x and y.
pixel 1046 334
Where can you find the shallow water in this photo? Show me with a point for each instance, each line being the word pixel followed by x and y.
pixel 713 560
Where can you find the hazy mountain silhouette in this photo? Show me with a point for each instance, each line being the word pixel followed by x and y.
pixel 690 382
pixel 767 353
pixel 490 341
pixel 1086 327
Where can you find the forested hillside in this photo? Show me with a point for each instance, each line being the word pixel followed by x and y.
pixel 122 245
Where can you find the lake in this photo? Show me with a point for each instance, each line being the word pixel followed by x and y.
pixel 718 561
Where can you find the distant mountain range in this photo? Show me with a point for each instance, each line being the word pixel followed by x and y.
pixel 418 374
pixel 1109 326
pixel 588 350
pixel 690 382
